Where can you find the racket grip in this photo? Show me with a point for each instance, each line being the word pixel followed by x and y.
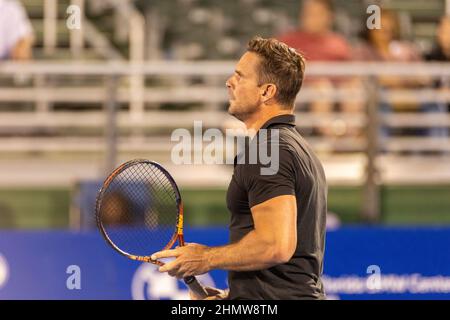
pixel 196 287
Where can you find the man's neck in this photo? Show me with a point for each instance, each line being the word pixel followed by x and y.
pixel 258 119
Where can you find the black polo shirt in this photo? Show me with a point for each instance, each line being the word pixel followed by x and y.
pixel 299 173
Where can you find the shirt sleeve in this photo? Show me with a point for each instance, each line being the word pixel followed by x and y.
pixel 18 23
pixel 264 182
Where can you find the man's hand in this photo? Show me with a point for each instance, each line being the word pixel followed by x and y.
pixel 191 260
pixel 213 294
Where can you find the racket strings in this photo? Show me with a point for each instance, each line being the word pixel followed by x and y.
pixel 162 195
pixel 168 197
pixel 139 209
pixel 138 194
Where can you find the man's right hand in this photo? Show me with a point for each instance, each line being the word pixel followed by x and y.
pixel 213 294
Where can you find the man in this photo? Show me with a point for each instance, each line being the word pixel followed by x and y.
pixel 16 33
pixel 278 219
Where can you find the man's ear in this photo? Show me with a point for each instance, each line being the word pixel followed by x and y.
pixel 269 91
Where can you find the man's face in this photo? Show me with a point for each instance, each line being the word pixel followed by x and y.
pixel 243 89
pixel 315 18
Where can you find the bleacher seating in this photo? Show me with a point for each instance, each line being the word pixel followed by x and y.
pixel 211 29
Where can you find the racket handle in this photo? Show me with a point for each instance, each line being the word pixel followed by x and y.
pixel 196 287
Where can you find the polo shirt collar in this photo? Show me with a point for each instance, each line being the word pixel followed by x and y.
pixel 288 119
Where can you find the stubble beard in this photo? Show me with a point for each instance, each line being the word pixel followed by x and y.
pixel 241 113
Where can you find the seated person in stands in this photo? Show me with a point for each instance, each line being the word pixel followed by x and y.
pixel 385 45
pixel 317 41
pixel 441 53
pixel 441 49
pixel 16 33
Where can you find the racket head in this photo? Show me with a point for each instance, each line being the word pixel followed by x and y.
pixel 139 207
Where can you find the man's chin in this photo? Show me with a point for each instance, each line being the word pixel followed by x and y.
pixel 231 109
pixel 231 112
pixel 236 114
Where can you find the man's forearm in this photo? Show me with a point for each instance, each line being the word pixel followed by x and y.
pixel 250 253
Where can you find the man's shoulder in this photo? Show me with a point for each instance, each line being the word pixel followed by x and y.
pixel 288 136
pixel 280 136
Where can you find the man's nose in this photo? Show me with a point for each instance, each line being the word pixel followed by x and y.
pixel 228 83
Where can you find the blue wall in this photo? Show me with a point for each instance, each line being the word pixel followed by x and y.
pixel 414 264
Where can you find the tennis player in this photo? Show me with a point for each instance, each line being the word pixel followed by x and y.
pixel 277 228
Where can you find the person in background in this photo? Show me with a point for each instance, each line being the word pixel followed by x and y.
pixel 441 53
pixel 441 49
pixel 115 210
pixel 314 36
pixel 16 33
pixel 317 41
pixel 385 45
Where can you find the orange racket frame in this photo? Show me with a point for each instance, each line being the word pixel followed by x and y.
pixel 178 235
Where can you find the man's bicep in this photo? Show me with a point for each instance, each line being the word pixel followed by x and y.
pixel 263 187
pixel 275 222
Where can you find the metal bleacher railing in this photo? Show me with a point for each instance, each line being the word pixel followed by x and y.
pixel 113 94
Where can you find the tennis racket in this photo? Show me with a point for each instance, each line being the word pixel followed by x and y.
pixel 138 208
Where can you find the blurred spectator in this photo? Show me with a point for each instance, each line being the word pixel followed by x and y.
pixel 384 44
pixel 16 33
pixel 315 38
pixel 441 49
pixel 115 209
pixel 441 52
pixel 317 41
